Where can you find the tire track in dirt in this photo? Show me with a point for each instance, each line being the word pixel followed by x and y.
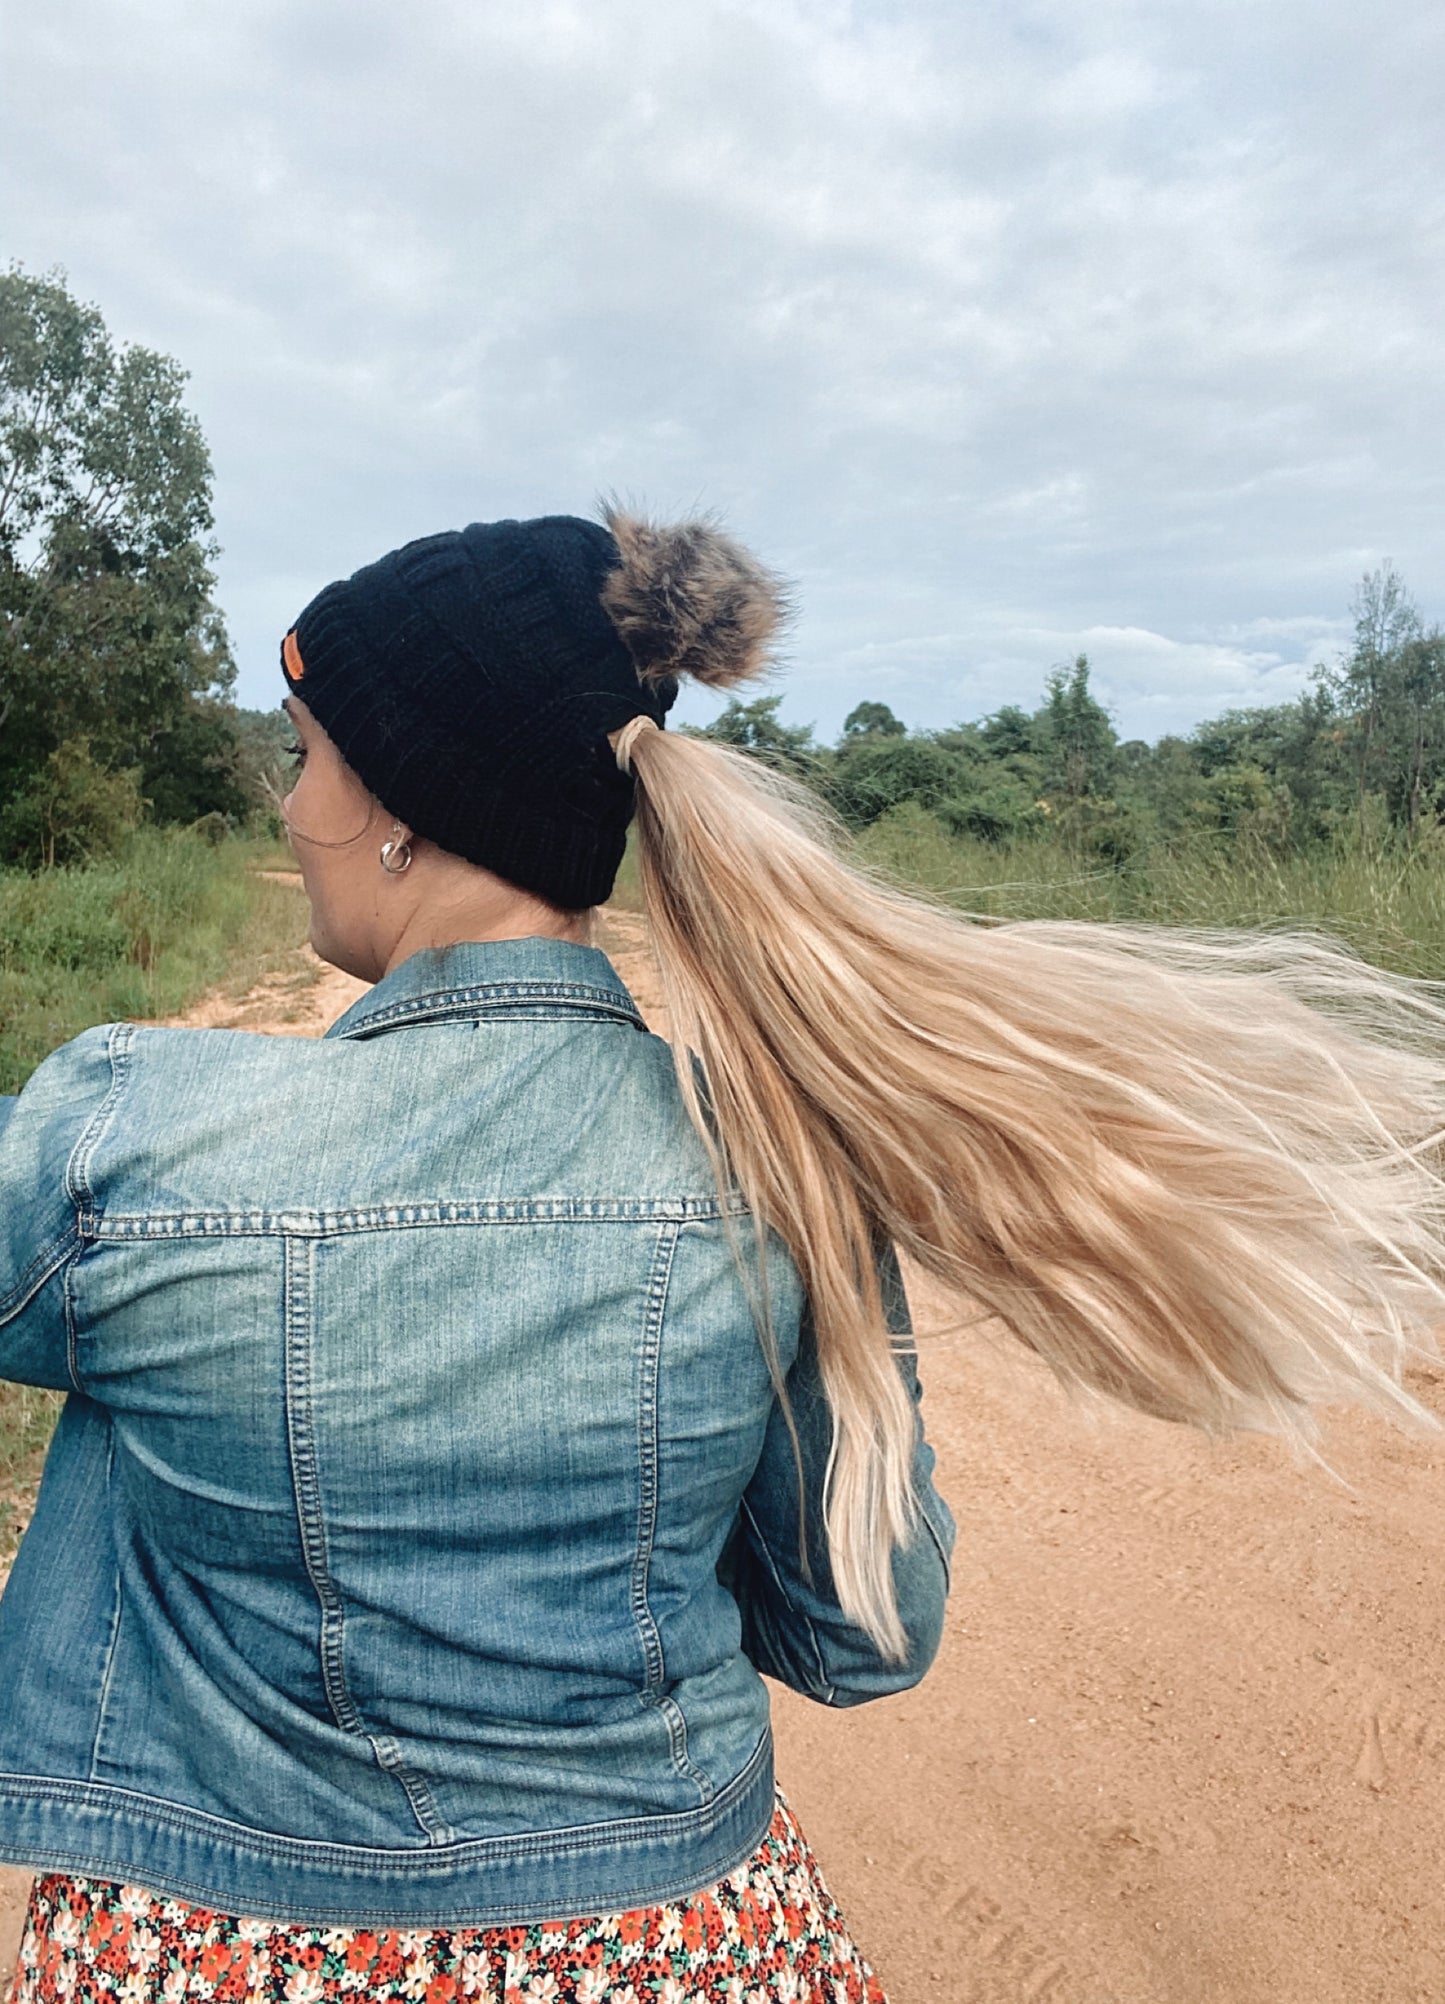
pixel 1180 1733
pixel 1208 1558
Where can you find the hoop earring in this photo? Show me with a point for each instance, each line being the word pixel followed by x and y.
pixel 396 855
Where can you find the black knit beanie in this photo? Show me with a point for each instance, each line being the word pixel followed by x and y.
pixel 471 679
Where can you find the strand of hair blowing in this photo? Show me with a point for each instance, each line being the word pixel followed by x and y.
pixel 1197 1171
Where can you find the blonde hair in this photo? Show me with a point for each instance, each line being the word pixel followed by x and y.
pixel 1197 1171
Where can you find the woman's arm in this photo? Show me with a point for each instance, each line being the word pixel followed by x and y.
pixel 40 1132
pixel 794 1629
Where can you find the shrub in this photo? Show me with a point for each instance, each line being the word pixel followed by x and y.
pixel 71 810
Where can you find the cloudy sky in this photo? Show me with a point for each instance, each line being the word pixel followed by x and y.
pixel 1006 330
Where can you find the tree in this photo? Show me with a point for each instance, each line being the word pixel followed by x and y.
pixel 70 811
pixel 755 727
pixel 1416 722
pixel 1076 735
pixel 1009 733
pixel 873 720
pixel 108 630
pixel 1302 746
pixel 197 765
pixel 1377 688
pixel 873 773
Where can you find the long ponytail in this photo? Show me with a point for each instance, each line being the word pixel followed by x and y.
pixel 1196 1171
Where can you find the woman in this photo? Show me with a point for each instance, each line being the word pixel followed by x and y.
pixel 465 1408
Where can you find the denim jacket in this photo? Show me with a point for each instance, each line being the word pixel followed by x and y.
pixel 421 1514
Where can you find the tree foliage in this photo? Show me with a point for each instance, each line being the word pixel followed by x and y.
pixel 756 727
pixel 873 720
pixel 1389 691
pixel 70 810
pixel 109 635
pixel 1359 754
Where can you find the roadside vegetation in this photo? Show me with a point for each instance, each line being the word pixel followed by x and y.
pixel 1328 811
pixel 137 935
pixel 1386 900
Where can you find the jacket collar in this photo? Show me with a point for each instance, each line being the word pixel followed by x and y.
pixel 487 976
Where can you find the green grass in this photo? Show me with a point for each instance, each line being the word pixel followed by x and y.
pixel 1387 904
pixel 136 938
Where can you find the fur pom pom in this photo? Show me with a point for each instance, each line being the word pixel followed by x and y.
pixel 688 600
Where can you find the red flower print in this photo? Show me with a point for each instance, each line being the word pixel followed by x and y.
pixel 215 1960
pixel 237 1980
pixel 361 1949
pixel 741 1928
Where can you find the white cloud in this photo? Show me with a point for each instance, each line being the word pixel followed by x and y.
pixel 998 330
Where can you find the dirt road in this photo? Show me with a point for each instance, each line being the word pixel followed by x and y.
pixel 1183 1743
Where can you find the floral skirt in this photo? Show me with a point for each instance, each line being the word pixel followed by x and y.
pixel 770 1930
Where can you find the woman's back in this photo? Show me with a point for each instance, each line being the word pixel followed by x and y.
pixel 400 1528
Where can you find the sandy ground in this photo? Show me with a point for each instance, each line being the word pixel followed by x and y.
pixel 1183 1740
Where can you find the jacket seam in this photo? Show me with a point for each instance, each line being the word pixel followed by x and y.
pixel 522 1009
pixel 72 1332
pixel 201 1223
pixel 77 1169
pixel 492 997
pixel 944 1559
pixel 78 1185
pixel 647 1460
pixel 299 1285
pixel 112 1646
pixel 654 1692
pixel 48 1262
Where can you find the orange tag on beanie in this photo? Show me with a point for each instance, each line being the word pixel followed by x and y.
pixel 291 655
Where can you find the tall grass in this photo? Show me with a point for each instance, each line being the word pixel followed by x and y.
pixel 1382 900
pixel 138 937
